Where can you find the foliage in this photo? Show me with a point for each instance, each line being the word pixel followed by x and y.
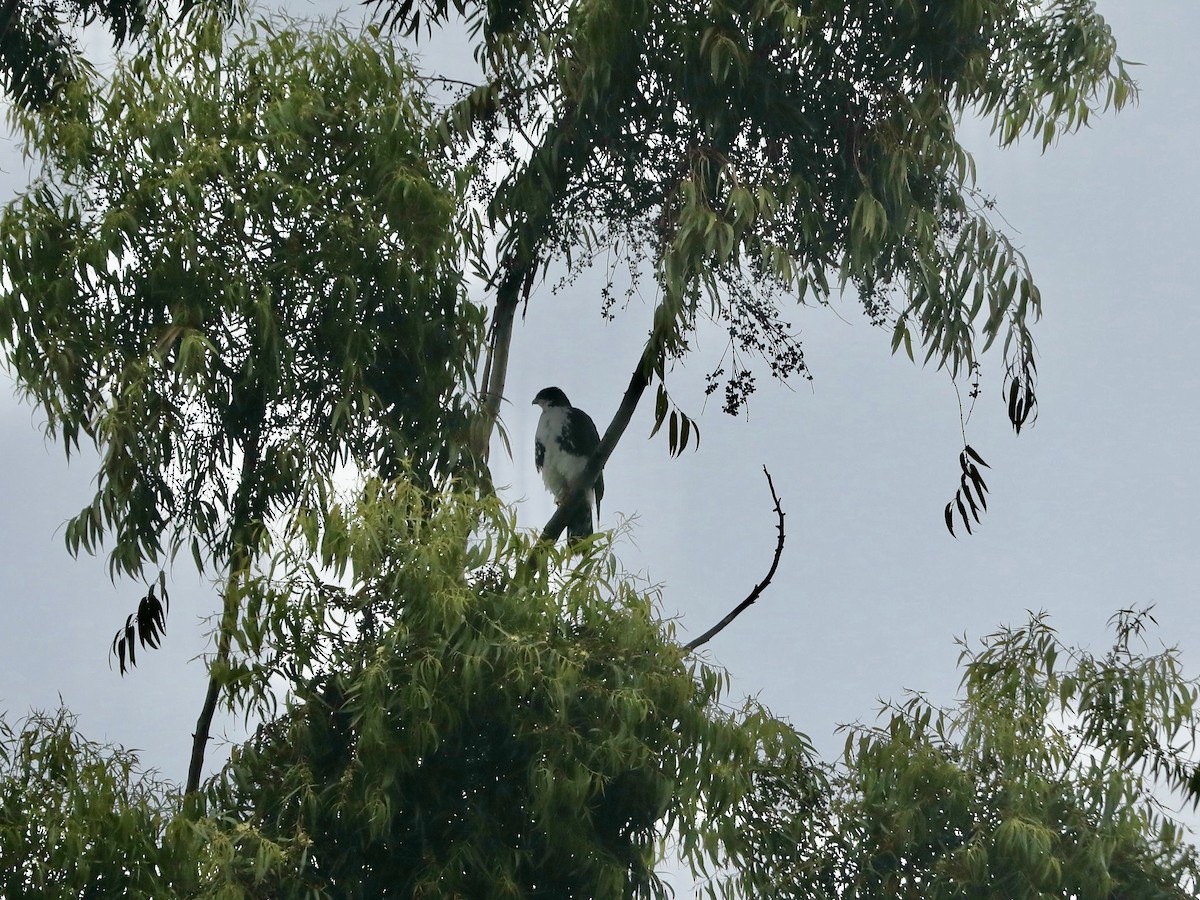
pixel 238 272
pixel 541 743
pixel 39 56
pixel 450 731
pixel 1042 783
pixel 74 814
pixel 756 148
pixel 78 819
pixel 459 725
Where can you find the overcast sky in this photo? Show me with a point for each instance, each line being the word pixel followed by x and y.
pixel 1091 510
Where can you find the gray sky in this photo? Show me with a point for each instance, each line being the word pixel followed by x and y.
pixel 1091 510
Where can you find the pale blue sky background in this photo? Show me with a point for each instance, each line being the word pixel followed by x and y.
pixel 1091 510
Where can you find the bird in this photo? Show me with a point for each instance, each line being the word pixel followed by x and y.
pixel 565 440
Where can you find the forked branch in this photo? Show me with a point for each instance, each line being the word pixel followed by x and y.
pixel 758 588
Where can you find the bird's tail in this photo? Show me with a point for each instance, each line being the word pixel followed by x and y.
pixel 579 526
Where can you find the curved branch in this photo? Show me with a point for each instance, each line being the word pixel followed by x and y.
pixel 758 588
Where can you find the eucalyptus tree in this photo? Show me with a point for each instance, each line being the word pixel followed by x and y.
pixel 242 269
pixel 755 153
pixel 1055 776
pixel 237 272
pixel 494 727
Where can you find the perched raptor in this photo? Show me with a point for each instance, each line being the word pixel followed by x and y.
pixel 566 438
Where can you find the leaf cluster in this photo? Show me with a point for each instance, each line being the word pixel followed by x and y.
pixel 971 488
pixel 460 724
pixel 238 272
pixel 775 143
pixel 1041 783
pixel 146 626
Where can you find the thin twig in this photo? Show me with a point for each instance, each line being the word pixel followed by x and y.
pixel 758 588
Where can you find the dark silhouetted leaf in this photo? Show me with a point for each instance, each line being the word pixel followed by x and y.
pixel 660 410
pixel 975 456
pixel 966 492
pixel 962 511
pixel 950 519
pixel 980 485
pixel 981 494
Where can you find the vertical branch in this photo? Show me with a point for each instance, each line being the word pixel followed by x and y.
pixel 242 539
pixel 533 200
pixel 516 284
pixel 216 668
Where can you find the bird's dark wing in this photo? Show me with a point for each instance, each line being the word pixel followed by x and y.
pixel 579 437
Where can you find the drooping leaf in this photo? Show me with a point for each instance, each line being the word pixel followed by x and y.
pixel 965 490
pixel 975 456
pixel 1014 395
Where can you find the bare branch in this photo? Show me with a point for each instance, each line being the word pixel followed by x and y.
pixel 638 383
pixel 515 285
pixel 758 588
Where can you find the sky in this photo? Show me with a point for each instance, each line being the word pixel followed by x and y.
pixel 1091 510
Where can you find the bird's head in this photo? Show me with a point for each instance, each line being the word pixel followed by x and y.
pixel 551 396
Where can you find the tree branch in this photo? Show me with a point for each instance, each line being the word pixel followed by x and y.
pixel 516 284
pixel 758 588
pixel 638 383
pixel 212 695
pixel 242 540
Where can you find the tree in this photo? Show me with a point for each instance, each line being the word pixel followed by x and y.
pixel 1040 783
pixel 405 770
pixel 238 273
pixel 461 723
pixel 242 271
pixel 38 54
pixel 753 149
pixel 449 730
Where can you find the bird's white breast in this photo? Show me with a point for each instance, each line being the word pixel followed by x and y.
pixel 559 469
